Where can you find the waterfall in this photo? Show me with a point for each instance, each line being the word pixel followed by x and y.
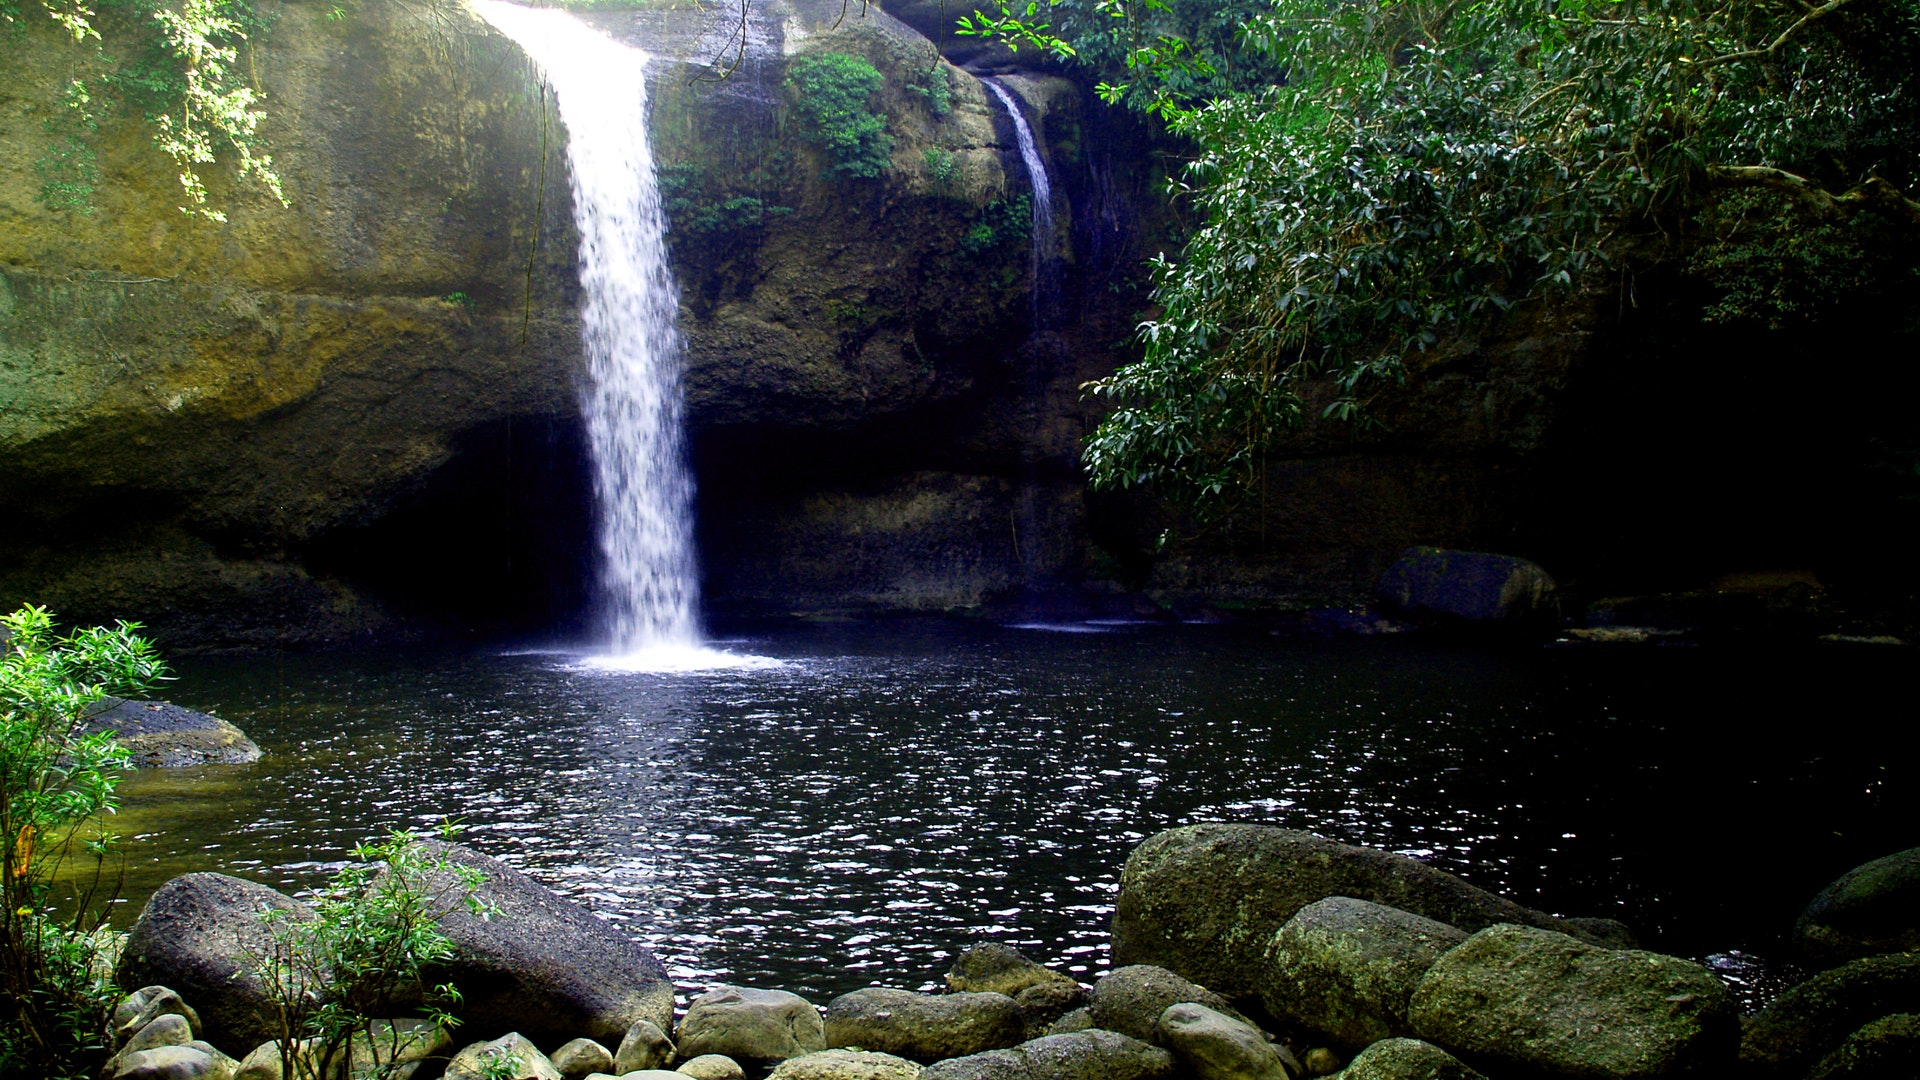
pixel 632 397
pixel 1045 259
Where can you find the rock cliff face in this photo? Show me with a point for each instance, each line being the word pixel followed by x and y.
pixel 357 415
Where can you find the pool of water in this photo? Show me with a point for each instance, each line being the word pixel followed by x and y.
pixel 889 793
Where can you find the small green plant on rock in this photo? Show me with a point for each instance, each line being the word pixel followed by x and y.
pixel 364 955
pixel 939 164
pixel 938 91
pixel 1002 221
pixel 57 783
pixel 832 92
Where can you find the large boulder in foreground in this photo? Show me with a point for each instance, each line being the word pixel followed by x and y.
pixel 544 966
pixel 1536 1001
pixel 1468 586
pixel 1887 1049
pixel 202 936
pixel 161 735
pixel 1811 1020
pixel 1083 1055
pixel 1347 968
pixel 1873 908
pixel 924 1027
pixel 1205 900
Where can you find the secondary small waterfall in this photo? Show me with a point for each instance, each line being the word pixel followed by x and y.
pixel 1045 253
pixel 632 398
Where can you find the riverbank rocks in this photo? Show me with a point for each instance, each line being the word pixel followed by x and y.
pixel 711 1067
pixel 1807 1022
pixel 543 965
pixel 1468 586
pixel 924 1027
pixel 1887 1049
pixel 644 1046
pixel 1205 900
pixel 1216 1046
pixel 201 935
pixel 758 1026
pixel 193 1061
pixel 161 735
pixel 576 1059
pixel 1130 999
pixel 1347 968
pixel 1407 1059
pixel 403 1046
pixel 147 1004
pixel 993 968
pixel 1541 1001
pixel 846 1065
pixel 510 1057
pixel 1083 1055
pixel 1873 908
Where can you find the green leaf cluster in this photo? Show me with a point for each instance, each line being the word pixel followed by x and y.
pixel 1001 222
pixel 832 97
pixel 178 62
pixel 365 954
pixel 1428 165
pixel 57 786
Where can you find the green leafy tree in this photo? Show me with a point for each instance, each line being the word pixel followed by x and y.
pixel 1429 165
pixel 179 64
pixel 832 97
pixel 364 955
pixel 57 783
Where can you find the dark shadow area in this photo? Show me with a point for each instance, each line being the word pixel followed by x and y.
pixel 499 539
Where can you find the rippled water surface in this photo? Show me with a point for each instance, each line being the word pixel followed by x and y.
pixel 890 793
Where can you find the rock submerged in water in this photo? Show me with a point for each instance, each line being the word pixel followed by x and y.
pixel 1468 587
pixel 1540 1001
pixel 1873 908
pixel 1205 900
pixel 924 1027
pixel 1347 968
pixel 161 735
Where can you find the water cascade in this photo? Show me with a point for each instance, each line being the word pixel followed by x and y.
pixel 1045 256
pixel 632 398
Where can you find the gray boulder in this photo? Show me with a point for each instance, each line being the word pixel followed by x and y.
pixel 711 1067
pixel 1539 1001
pixel 201 934
pixel 1811 1020
pixel 576 1059
pixel 757 1026
pixel 1080 1019
pixel 544 966
pixel 1468 586
pixel 1083 1055
pixel 143 1006
pixel 924 1027
pixel 846 1065
pixel 1406 1059
pixel 1130 999
pixel 644 1046
pixel 1205 900
pixel 1215 1046
pixel 509 1057
pixel 993 968
pixel 170 1029
pixel 1347 968
pixel 161 735
pixel 1873 908
pixel 1887 1049
pixel 1042 1005
pixel 192 1061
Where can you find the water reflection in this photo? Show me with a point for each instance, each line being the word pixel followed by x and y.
pixel 889 794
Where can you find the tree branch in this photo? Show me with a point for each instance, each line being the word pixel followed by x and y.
pixel 1813 15
pixel 1874 193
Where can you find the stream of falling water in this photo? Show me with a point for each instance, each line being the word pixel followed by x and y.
pixel 1043 240
pixel 632 397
